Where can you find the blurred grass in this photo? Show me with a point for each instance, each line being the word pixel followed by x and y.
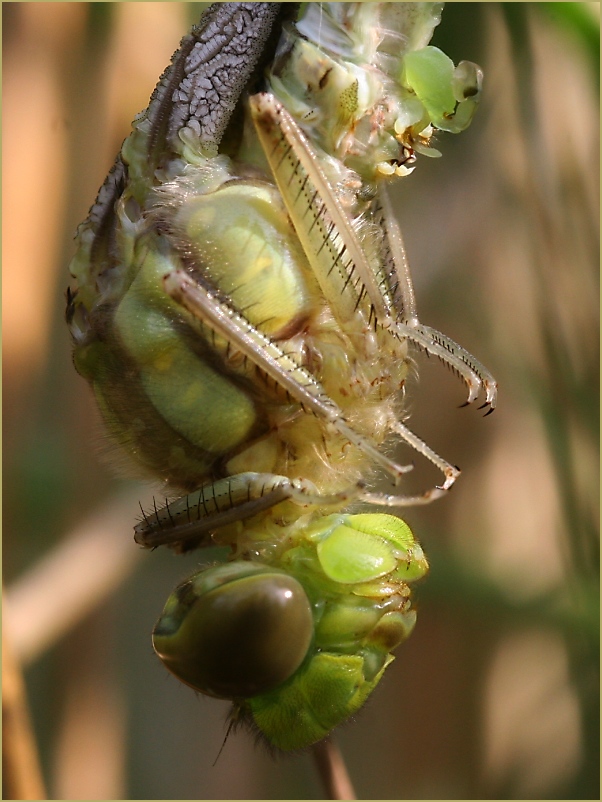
pixel 502 233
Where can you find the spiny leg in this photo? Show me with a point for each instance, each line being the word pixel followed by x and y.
pixel 459 359
pixel 474 374
pixel 208 508
pixel 226 501
pixel 331 245
pixel 399 275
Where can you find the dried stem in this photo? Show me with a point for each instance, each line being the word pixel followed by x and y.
pixel 70 581
pixel 332 770
pixel 21 774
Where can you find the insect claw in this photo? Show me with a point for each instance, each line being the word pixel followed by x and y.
pixel 491 398
pixel 450 480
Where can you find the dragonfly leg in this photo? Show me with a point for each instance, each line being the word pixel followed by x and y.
pixel 386 500
pixel 450 472
pixel 198 514
pixel 333 248
pixel 395 254
pixel 209 507
pixel 474 374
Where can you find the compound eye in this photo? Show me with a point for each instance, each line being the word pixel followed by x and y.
pixel 238 639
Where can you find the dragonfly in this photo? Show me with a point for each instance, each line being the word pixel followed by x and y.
pixel 244 313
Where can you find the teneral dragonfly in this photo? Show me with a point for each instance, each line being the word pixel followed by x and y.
pixel 244 313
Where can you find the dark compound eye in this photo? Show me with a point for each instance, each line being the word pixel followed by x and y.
pixel 238 639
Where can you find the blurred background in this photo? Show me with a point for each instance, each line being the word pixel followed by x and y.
pixel 496 694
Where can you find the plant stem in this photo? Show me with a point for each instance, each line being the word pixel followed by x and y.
pixel 22 777
pixel 332 770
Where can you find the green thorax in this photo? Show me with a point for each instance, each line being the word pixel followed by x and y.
pixel 363 83
pixel 329 606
